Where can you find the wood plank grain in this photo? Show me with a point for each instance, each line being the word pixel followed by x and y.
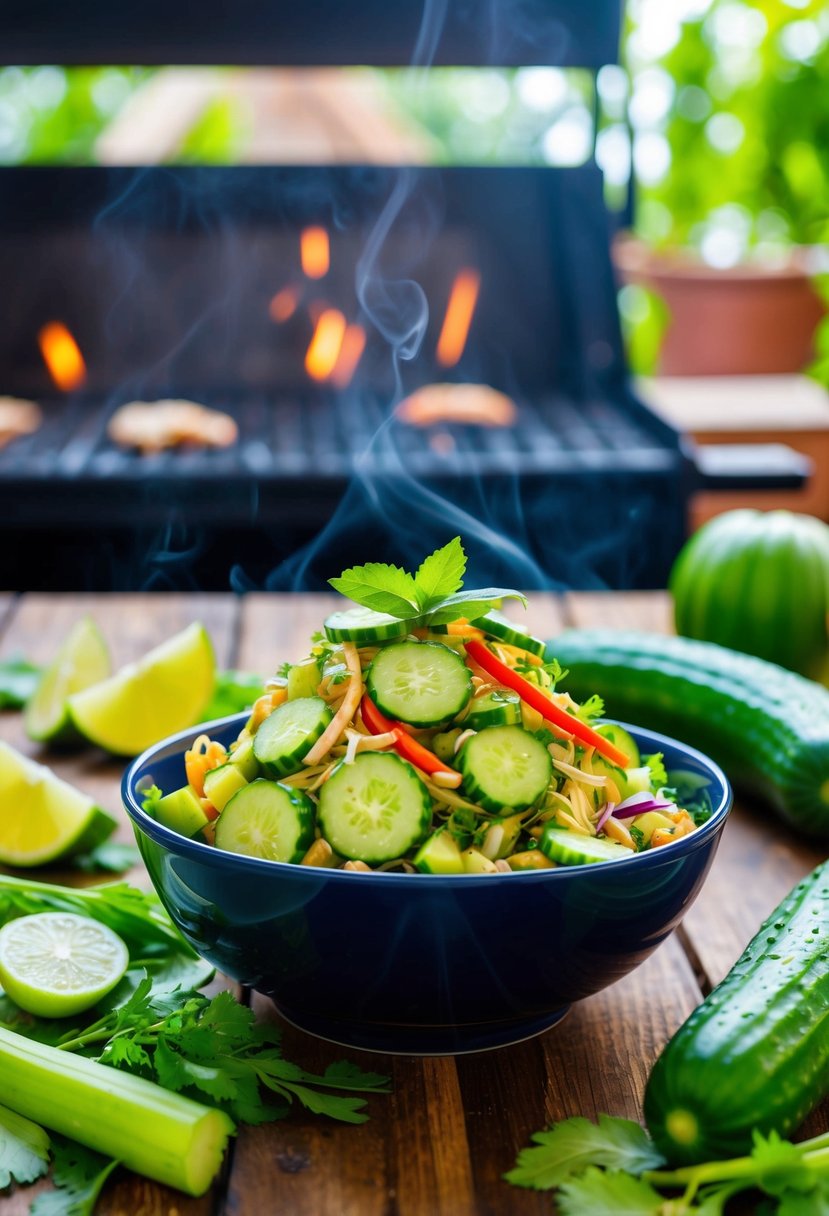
pixel 596 1060
pixel 277 628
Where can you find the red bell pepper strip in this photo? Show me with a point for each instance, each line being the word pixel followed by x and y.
pixel 535 697
pixel 404 744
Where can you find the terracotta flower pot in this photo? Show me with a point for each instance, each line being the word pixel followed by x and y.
pixel 749 319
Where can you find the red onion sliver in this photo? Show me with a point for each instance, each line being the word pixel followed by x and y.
pixel 605 815
pixel 639 808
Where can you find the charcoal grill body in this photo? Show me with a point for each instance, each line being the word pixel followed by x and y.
pixel 164 276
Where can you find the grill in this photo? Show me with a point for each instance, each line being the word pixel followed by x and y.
pixel 165 276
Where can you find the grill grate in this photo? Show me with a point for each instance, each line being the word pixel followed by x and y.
pixel 300 438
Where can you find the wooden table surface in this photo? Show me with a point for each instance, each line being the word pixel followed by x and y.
pixel 440 1142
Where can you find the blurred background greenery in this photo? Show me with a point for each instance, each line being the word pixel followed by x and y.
pixel 717 120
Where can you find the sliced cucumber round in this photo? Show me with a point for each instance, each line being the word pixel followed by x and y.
pixel 375 809
pixel 364 626
pixel 505 766
pixel 268 820
pixel 572 849
pixel 503 629
pixel 494 709
pixel 285 737
pixel 621 739
pixel 421 683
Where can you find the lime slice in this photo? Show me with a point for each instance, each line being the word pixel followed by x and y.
pixel 82 660
pixel 54 964
pixel 144 702
pixel 42 817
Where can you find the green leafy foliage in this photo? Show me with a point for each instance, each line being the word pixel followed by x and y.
pixel 156 1023
pixel 24 1149
pixel 215 1049
pixel 433 594
pixel 568 1147
pixel 18 679
pixel 112 857
pixel 609 1193
pixel 656 763
pixel 234 692
pixel 79 1175
pixel 612 1167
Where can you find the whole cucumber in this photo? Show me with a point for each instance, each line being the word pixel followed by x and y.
pixel 766 726
pixel 755 1053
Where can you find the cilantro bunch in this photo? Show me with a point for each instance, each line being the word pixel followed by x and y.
pixel 613 1168
pixel 432 595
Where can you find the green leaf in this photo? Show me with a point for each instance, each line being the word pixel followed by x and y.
pixel 471 604
pixel 813 1203
pixel 780 1165
pixel 233 692
pixel 384 588
pixel 24 1149
pixel 175 1071
pixel 569 1147
pixel 111 856
pixel 335 1106
pixel 591 709
pixel 440 574
pixel 79 1175
pixel 608 1193
pixel 656 763
pixel 18 680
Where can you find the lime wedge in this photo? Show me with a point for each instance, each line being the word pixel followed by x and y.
pixel 43 818
pixel 54 964
pixel 82 660
pixel 144 702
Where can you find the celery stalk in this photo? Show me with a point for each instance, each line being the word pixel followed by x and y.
pixel 157 1133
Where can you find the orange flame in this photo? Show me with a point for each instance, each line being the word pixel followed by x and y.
pixel 62 356
pixel 314 252
pixel 284 304
pixel 326 344
pixel 459 311
pixel 353 345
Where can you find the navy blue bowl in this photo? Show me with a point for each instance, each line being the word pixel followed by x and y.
pixel 415 963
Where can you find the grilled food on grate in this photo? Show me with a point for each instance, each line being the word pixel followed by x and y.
pixel 17 417
pixel 473 404
pixel 152 426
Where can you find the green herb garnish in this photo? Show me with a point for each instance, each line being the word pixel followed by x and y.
pixel 613 1166
pixel 432 595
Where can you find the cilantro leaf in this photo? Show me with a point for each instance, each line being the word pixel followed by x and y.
pixel 609 1193
pixel 814 1203
pixel 590 709
pixel 384 588
pixel 780 1165
pixel 656 763
pixel 569 1147
pixel 24 1149
pixel 79 1175
pixel 440 574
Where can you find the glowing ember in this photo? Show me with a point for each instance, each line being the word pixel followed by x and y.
pixel 459 311
pixel 314 252
pixel 62 356
pixel 354 343
pixel 284 304
pixel 326 344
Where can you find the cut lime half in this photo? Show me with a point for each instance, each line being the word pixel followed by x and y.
pixel 43 818
pixel 82 660
pixel 164 692
pixel 54 964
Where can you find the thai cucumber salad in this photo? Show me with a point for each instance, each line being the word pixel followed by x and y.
pixel 425 732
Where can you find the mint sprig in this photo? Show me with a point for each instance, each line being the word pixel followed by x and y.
pixel 433 595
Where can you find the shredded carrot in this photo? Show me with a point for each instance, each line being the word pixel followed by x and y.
pixel 204 755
